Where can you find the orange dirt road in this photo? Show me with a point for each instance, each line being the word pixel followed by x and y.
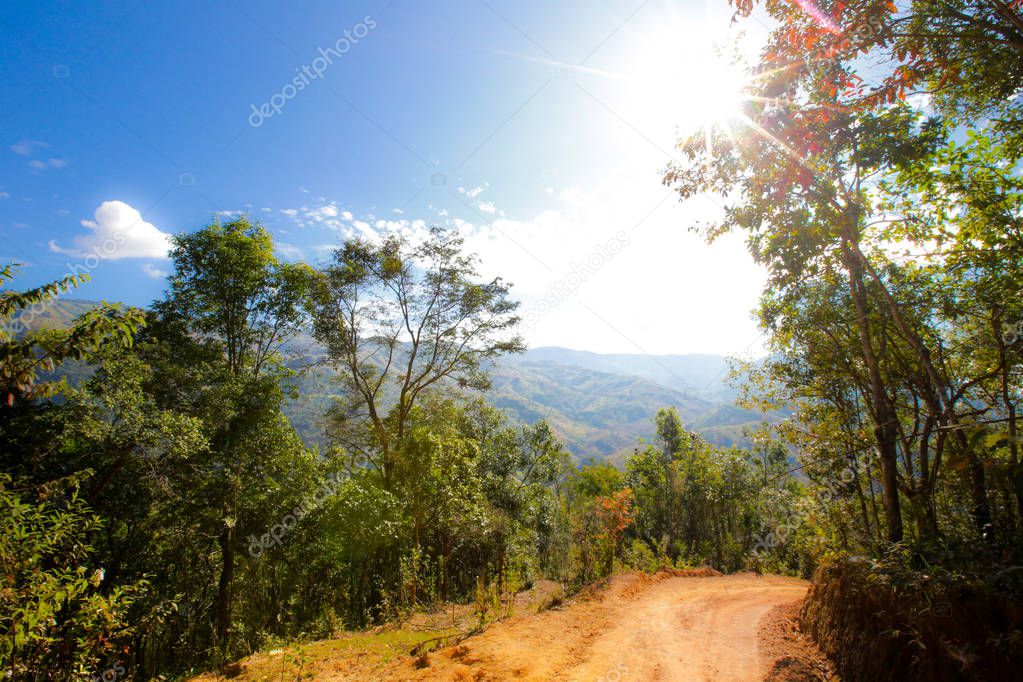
pixel 641 628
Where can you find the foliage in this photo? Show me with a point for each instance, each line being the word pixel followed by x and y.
pixel 875 176
pixel 25 354
pixel 57 619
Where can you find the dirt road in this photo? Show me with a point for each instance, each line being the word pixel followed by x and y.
pixel 640 628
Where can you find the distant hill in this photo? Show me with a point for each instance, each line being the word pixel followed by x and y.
pixel 57 314
pixel 697 375
pixel 601 405
pixel 599 414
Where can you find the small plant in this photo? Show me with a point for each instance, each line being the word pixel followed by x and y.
pixel 294 662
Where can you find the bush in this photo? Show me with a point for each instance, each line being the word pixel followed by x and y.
pixel 55 621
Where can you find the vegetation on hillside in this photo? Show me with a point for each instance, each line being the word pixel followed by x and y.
pixel 204 528
pixel 163 515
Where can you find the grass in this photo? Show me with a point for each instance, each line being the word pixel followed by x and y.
pixel 350 654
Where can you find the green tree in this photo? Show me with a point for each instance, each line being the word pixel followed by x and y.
pixel 397 320
pixel 25 353
pixel 56 623
pixel 230 308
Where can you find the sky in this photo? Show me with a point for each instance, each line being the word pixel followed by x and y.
pixel 540 131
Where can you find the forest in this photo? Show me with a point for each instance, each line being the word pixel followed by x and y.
pixel 162 516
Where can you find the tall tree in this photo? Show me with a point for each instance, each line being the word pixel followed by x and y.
pixel 231 306
pixel 397 319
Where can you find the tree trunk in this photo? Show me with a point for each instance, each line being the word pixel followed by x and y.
pixel 978 488
pixel 445 552
pixel 885 418
pixel 943 403
pixel 500 568
pixel 224 586
pixel 1015 470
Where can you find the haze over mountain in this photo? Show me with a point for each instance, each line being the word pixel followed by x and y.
pixel 698 375
pixel 599 413
pixel 601 405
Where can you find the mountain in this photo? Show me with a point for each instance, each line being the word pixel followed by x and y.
pixel 56 314
pixel 697 375
pixel 601 405
pixel 601 415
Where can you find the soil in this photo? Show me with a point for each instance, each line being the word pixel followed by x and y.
pixel 661 627
pixel 688 626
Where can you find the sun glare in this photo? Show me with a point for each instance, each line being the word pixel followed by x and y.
pixel 717 91
pixel 682 81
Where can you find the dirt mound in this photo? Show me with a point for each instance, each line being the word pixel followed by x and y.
pixel 887 624
pixel 794 656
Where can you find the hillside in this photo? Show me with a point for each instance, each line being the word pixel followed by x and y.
pixel 599 414
pixel 601 405
pixel 697 375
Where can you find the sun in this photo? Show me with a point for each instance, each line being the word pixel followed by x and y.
pixel 685 80
pixel 715 92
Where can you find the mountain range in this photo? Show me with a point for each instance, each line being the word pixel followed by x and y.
pixel 601 405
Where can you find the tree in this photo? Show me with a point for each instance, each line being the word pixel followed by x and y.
pixel 828 172
pixel 805 171
pixel 26 353
pixel 230 308
pixel 614 515
pixel 398 319
pixel 57 623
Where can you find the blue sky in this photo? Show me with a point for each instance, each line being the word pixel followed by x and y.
pixel 539 130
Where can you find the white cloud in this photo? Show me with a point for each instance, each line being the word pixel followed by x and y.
pixel 365 228
pixel 289 251
pixel 267 209
pixel 471 193
pixel 289 212
pixel 322 213
pixel 487 207
pixel 118 231
pixel 346 215
pixel 153 271
pixel 572 195
pixel 4 195
pixel 618 306
pixel 26 147
pixel 40 165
